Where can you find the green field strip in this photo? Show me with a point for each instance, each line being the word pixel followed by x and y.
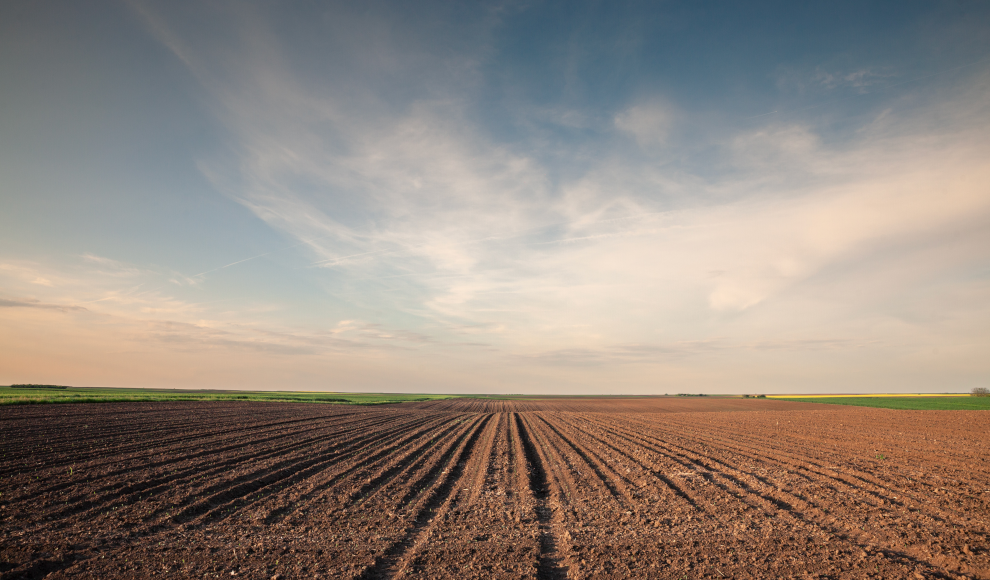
pixel 951 403
pixel 41 395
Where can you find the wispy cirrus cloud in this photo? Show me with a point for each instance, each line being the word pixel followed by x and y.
pixel 644 354
pixel 823 78
pixel 420 209
pixel 426 211
pixel 32 303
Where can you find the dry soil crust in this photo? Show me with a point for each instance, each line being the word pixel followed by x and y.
pixel 659 488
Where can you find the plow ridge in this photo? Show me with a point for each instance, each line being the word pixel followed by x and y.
pixel 244 485
pixel 798 466
pixel 369 458
pixel 487 459
pixel 409 461
pixel 864 482
pixel 599 467
pixel 548 561
pixel 289 475
pixel 113 455
pixel 708 472
pixel 232 496
pixel 87 468
pixel 783 501
pixel 391 563
pixel 648 468
pixel 426 479
pixel 130 492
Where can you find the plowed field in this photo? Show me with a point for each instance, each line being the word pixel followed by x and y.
pixel 581 488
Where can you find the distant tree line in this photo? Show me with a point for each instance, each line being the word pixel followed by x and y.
pixel 981 392
pixel 38 387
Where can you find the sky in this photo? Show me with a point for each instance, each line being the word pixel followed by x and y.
pixel 496 197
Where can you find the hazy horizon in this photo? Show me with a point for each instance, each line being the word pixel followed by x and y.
pixel 504 197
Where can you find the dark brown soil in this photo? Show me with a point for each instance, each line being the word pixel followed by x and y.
pixel 555 488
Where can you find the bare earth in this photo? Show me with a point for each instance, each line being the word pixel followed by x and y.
pixel 579 488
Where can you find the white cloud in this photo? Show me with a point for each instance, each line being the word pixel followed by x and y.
pixel 648 123
pixel 435 233
pixel 472 233
pixel 858 79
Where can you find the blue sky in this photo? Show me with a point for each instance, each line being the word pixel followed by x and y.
pixel 574 197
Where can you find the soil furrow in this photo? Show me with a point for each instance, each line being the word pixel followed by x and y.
pixel 222 489
pixel 487 458
pixel 675 489
pixel 358 465
pixel 615 483
pixel 549 560
pixel 113 454
pixel 778 500
pixel 233 496
pixel 409 461
pixel 877 495
pixel 432 466
pixel 109 497
pixel 393 562
pixel 206 450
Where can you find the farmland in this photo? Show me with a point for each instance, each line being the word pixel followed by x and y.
pixel 49 394
pixel 485 488
pixel 903 402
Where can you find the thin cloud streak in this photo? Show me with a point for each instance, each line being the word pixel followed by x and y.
pixel 431 202
pixel 424 231
pixel 30 303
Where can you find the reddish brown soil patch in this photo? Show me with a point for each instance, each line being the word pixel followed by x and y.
pixel 613 405
pixel 575 488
